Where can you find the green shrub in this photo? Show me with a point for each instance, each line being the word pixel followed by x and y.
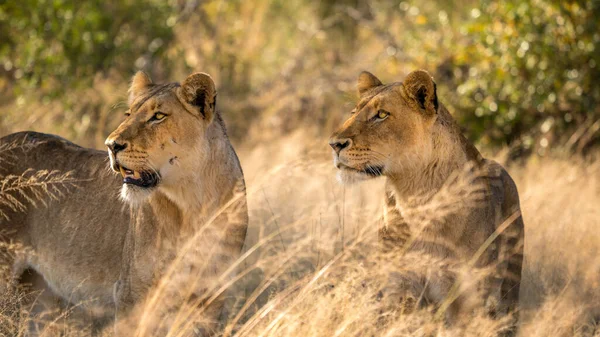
pixel 531 72
pixel 56 45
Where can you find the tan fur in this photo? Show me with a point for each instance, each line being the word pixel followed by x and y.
pixel 423 155
pixel 90 246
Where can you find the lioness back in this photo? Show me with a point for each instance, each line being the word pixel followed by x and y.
pixel 79 220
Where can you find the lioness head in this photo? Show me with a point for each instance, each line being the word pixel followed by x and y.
pixel 389 129
pixel 163 136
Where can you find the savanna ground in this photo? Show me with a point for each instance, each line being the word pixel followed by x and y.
pixel 519 77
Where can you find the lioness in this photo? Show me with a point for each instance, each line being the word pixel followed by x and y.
pixel 402 132
pixel 179 178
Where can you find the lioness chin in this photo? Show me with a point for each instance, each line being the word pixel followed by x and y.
pixel 401 131
pixel 183 189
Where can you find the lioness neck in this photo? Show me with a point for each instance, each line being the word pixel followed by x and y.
pixel 450 151
pixel 209 185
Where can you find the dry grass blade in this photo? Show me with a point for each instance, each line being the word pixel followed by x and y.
pixel 9 151
pixel 314 288
pixel 33 188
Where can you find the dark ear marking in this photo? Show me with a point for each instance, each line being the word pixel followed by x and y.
pixel 199 100
pixel 435 98
pixel 421 96
pixel 420 87
pixel 198 93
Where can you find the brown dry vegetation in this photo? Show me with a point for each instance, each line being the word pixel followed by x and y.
pixel 286 72
pixel 313 267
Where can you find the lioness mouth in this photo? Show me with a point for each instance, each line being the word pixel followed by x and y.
pixel 373 171
pixel 137 178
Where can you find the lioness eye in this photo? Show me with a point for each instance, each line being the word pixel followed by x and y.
pixel 158 116
pixel 381 114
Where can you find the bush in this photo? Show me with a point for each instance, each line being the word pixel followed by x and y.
pixel 531 72
pixel 56 45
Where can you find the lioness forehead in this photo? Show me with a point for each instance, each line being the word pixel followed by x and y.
pixel 154 91
pixel 375 92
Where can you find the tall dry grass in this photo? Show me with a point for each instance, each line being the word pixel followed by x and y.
pixel 312 265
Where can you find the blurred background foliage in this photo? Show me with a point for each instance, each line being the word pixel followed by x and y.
pixel 56 45
pixel 516 73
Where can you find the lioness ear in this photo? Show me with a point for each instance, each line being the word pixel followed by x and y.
pixel 198 95
pixel 420 87
pixel 139 83
pixel 366 81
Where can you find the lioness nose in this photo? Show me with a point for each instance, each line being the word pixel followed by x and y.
pixel 115 147
pixel 338 146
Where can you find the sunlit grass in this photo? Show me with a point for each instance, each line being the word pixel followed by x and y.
pixel 313 265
